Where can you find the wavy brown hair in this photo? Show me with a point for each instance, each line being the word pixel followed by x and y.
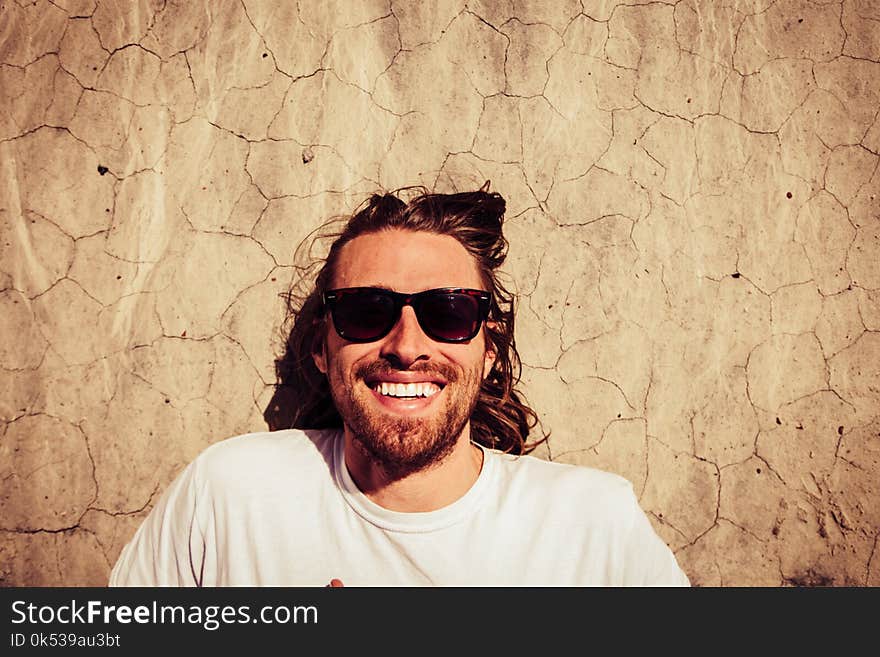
pixel 501 418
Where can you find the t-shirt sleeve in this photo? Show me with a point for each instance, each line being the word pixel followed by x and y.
pixel 648 561
pixel 170 547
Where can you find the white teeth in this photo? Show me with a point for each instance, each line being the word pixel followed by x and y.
pixel 421 389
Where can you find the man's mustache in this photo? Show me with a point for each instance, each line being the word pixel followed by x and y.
pixel 378 368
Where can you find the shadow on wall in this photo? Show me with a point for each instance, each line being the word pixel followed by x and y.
pixel 301 399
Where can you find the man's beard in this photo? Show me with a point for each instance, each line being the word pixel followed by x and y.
pixel 399 445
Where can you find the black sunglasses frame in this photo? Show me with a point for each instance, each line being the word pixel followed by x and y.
pixel 400 299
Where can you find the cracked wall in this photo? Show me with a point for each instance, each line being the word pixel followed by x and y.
pixel 692 210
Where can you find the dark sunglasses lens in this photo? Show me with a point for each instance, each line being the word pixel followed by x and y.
pixel 363 315
pixel 450 317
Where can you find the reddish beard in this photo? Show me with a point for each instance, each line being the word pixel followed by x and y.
pixel 401 446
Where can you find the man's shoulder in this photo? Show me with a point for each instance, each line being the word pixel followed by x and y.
pixel 560 472
pixel 267 451
pixel 557 479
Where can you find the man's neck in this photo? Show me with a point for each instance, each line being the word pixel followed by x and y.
pixel 427 490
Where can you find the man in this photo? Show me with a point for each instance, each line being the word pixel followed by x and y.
pixel 407 465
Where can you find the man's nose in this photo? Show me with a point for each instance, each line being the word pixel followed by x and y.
pixel 406 343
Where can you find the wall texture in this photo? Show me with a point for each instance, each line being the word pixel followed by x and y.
pixel 693 214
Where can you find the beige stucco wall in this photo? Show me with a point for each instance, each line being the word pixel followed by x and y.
pixel 692 209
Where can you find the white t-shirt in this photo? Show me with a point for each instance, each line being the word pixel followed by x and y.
pixel 281 509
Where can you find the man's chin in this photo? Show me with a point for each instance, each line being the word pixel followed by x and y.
pixel 400 436
pixel 401 446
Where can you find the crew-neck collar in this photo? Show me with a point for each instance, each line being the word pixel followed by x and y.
pixel 412 522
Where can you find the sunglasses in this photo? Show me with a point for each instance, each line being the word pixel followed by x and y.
pixel 366 314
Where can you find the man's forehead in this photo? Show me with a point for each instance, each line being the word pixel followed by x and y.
pixel 407 261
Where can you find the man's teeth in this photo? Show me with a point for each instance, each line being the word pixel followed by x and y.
pixel 425 389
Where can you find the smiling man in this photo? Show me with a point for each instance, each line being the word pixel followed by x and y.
pixel 404 388
pixel 406 461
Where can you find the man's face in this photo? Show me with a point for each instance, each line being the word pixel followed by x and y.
pixel 404 434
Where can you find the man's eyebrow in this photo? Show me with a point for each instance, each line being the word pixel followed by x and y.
pixel 378 287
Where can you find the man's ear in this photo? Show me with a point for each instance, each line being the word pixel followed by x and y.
pixel 319 348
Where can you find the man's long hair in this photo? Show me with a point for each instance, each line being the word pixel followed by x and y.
pixel 501 419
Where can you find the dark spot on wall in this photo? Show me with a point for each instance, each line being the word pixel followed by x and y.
pixel 167 401
pixel 778 421
pixel 102 169
pixel 758 470
pixel 799 427
pixel 736 274
pixel 265 54
pixel 840 430
pixel 787 194
pixel 119 278
pixel 810 578
pixel 183 335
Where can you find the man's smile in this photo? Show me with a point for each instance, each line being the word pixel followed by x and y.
pixel 403 391
pixel 406 390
